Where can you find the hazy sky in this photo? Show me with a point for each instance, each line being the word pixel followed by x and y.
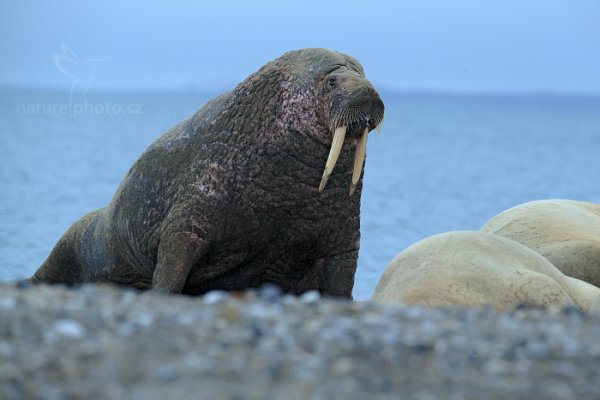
pixel 506 45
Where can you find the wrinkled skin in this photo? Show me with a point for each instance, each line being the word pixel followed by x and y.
pixel 229 198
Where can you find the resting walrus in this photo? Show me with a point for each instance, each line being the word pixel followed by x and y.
pixel 566 232
pixel 477 269
pixel 243 192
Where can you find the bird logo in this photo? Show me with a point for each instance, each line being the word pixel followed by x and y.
pixel 81 72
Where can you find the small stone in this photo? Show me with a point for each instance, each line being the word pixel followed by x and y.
pixel 5 349
pixel 420 348
pixel 69 328
pixel 310 297
pixel 270 292
pixel 342 367
pixel 22 284
pixel 144 319
pixel 185 319
pixel 215 296
pixel 129 297
pixel 7 303
pixel 168 373
pixel 289 299
pixel 523 306
pixel 230 313
pixel 572 310
pixel 263 311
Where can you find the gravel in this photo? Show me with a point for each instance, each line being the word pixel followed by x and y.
pixel 100 342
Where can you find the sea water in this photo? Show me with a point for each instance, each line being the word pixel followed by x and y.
pixel 441 163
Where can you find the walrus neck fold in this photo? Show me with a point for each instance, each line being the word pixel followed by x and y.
pixel 254 97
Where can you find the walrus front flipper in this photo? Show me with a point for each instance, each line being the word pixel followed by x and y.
pixel 178 253
pixel 64 264
pixel 338 274
pixel 61 265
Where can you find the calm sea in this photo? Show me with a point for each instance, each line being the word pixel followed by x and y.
pixel 441 163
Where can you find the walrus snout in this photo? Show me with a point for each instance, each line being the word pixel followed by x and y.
pixel 357 109
pixel 362 112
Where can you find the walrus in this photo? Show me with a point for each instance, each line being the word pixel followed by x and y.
pixel 242 193
pixel 566 232
pixel 477 269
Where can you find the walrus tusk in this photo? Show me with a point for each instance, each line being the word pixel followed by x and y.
pixel 359 160
pixel 334 153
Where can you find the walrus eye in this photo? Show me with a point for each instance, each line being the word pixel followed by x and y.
pixel 332 81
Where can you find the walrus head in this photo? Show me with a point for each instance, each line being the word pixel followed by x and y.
pixel 355 109
pixel 321 93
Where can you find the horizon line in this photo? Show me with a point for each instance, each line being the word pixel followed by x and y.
pixel 407 90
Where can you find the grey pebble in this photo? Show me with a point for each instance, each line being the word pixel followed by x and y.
pixel 215 296
pixel 167 373
pixel 270 292
pixel 7 303
pixel 310 297
pixel 68 328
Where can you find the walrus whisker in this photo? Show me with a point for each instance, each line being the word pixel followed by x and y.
pixel 359 159
pixel 334 153
pixel 379 126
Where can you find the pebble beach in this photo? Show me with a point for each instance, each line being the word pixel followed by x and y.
pixel 112 343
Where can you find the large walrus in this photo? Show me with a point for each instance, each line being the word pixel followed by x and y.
pixel 235 196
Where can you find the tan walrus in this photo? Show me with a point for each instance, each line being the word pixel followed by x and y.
pixel 478 269
pixel 566 232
